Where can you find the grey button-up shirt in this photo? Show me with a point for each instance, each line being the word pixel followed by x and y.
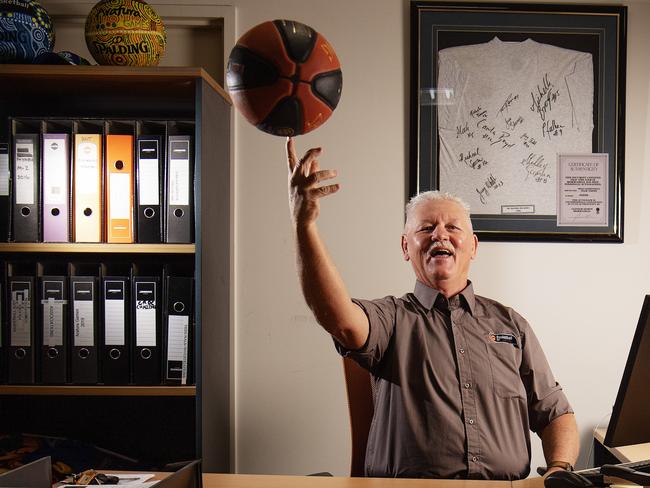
pixel 459 385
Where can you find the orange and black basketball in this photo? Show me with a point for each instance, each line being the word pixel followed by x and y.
pixel 284 77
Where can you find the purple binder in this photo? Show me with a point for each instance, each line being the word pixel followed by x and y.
pixel 56 187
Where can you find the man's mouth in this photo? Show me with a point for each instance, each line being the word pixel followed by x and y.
pixel 440 252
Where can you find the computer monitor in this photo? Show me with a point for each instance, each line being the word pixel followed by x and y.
pixel 189 476
pixel 630 422
pixel 37 474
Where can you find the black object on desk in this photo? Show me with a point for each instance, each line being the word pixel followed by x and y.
pixel 189 476
pixel 37 474
pixel 630 423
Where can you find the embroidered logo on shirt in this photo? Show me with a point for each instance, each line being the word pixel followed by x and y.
pixel 509 338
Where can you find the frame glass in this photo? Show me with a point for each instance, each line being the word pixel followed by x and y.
pixel 519 109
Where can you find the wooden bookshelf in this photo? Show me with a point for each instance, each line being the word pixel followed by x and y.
pixel 65 390
pixel 49 247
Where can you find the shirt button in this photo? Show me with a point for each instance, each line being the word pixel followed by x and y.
pixel 475 459
pixel 462 351
pixel 471 421
pixel 467 385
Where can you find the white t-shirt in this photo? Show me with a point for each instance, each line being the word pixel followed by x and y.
pixel 515 106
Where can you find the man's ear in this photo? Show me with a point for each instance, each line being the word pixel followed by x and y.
pixel 405 248
pixel 475 245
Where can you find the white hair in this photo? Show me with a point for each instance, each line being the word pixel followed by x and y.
pixel 434 195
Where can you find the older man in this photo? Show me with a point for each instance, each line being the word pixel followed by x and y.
pixel 461 379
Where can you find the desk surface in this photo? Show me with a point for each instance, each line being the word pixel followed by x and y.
pixel 624 454
pixel 214 480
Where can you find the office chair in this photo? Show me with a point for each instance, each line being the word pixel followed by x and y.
pixel 360 389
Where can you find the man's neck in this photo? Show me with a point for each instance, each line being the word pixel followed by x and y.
pixel 449 289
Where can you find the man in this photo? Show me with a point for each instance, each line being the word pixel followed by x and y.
pixel 460 379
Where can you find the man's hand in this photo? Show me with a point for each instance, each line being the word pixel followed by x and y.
pixel 304 177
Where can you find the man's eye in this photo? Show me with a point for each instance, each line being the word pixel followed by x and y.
pixel 428 228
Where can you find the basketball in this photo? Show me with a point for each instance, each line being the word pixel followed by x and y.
pixel 125 33
pixel 25 31
pixel 284 77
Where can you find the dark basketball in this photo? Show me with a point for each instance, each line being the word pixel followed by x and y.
pixel 284 77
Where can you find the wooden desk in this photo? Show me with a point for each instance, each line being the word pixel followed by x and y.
pixel 214 480
pixel 623 454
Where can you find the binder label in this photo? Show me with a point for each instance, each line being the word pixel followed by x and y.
pixel 83 319
pixel 53 322
pixel 55 172
pixel 21 314
pixel 25 177
pixel 87 168
pixel 4 170
pixel 114 313
pixel 120 195
pixel 179 173
pixel 177 345
pixel 145 314
pixel 148 176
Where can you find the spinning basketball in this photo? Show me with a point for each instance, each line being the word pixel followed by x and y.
pixel 284 77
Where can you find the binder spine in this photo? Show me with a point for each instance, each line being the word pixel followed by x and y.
pixel 116 331
pixel 21 364
pixel 147 331
pixel 26 188
pixel 56 187
pixel 5 193
pixel 54 337
pixel 149 189
pixel 84 360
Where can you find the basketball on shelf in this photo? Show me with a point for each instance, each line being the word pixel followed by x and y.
pixel 125 33
pixel 284 77
pixel 25 31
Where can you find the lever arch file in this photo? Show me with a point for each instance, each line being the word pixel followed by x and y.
pixel 54 318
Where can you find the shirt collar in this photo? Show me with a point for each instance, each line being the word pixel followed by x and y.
pixel 427 295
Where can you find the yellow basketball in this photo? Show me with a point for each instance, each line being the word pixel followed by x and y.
pixel 125 33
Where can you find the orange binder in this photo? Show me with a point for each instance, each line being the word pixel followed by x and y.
pixel 119 188
pixel 87 200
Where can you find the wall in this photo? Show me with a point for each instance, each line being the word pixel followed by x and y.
pixel 583 300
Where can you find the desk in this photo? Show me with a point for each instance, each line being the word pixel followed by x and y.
pixel 622 454
pixel 215 480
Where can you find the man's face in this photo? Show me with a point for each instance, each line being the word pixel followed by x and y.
pixel 439 242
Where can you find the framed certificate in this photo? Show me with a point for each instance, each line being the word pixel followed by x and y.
pixel 504 97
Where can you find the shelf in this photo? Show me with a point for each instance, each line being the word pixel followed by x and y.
pixel 39 78
pixel 98 390
pixel 98 248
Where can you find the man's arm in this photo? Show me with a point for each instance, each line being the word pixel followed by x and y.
pixel 322 285
pixel 560 441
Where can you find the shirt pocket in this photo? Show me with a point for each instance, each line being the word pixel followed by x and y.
pixel 505 359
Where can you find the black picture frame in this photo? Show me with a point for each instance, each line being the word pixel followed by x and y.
pixel 596 29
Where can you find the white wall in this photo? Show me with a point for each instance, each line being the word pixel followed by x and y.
pixel 583 300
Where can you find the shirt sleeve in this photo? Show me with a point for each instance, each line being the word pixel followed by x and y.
pixel 546 400
pixel 381 319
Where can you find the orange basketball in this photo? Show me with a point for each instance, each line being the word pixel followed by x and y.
pixel 284 77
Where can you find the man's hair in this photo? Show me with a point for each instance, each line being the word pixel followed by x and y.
pixel 433 195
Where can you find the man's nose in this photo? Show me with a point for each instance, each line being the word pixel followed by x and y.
pixel 440 234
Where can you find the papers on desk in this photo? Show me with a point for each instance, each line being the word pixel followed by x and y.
pixel 133 480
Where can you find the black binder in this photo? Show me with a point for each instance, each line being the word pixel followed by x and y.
pixel 178 326
pixel 4 326
pixel 84 356
pixel 149 188
pixel 5 193
pixel 147 330
pixel 179 196
pixel 53 323
pixel 115 330
pixel 26 188
pixel 22 307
